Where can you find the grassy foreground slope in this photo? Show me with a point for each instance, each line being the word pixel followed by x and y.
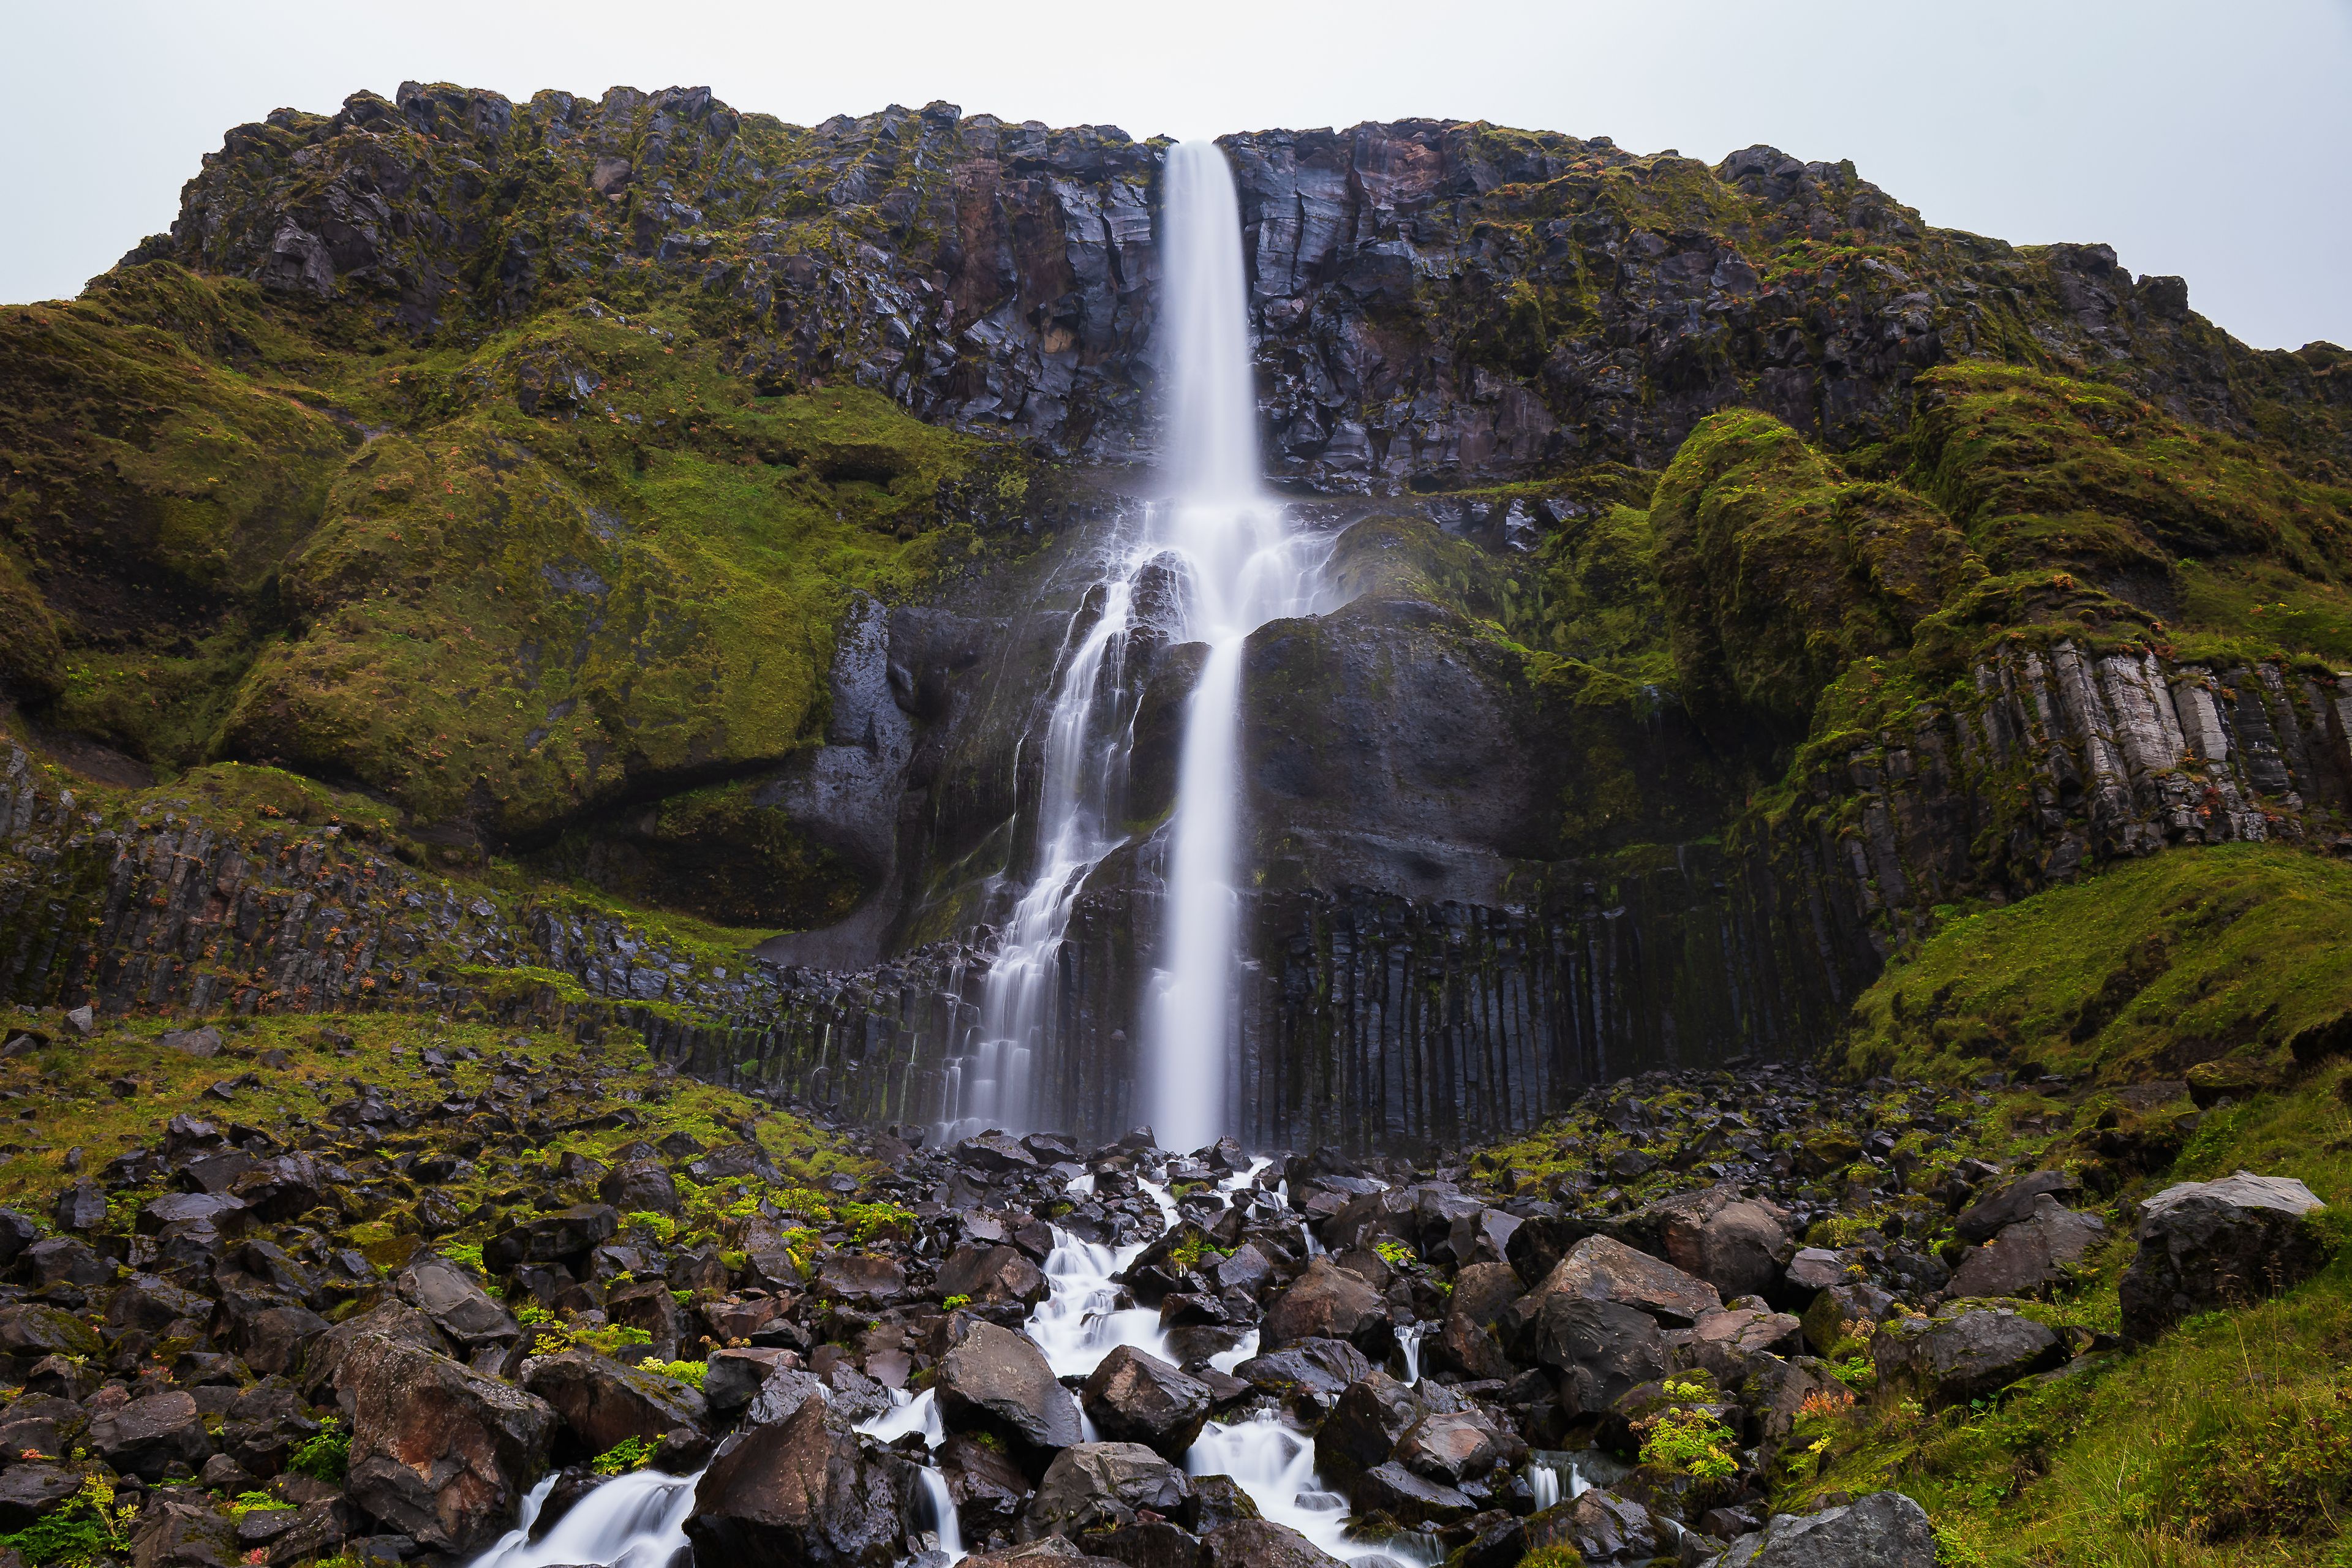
pixel 2173 993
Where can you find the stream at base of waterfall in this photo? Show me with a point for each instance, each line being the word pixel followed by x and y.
pixel 639 1521
pixel 1210 564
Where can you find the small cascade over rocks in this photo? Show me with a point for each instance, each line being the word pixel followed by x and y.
pixel 636 1521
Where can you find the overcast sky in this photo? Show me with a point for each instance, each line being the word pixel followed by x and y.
pixel 2214 142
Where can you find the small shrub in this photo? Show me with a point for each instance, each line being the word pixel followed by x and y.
pixel 952 1303
pixel 326 1456
pixel 628 1455
pixel 686 1372
pixel 1689 1442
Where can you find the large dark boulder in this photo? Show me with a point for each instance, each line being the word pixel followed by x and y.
pixel 800 1493
pixel 2029 1254
pixel 1133 1397
pixel 29 1331
pixel 1409 1499
pixel 1599 1350
pixel 1884 1529
pixel 988 1490
pixel 1734 1243
pixel 271 1331
pixel 1363 1428
pixel 32 1493
pixel 731 1377
pixel 144 1437
pixel 2212 1244
pixel 1327 1301
pixel 999 1276
pixel 639 1187
pixel 1262 1543
pixel 559 1238
pixel 604 1403
pixel 1963 1356
pixel 178 1532
pixel 1601 1269
pixel 457 1305
pixel 1101 1486
pixel 439 1452
pixel 1308 1376
pixel 866 1278
pixel 996 1381
pixel 1986 1218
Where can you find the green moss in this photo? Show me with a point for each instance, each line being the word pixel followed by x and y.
pixel 2142 970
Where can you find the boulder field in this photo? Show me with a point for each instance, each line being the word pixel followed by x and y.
pixel 278 1335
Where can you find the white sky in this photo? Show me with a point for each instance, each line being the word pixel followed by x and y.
pixel 2211 141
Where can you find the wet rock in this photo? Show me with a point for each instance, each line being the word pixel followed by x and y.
pixel 179 1533
pixel 1133 1397
pixel 1308 1375
pixel 647 1304
pixel 1409 1499
pixel 1363 1428
pixel 1981 1221
pixel 604 1403
pixel 996 1381
pixel 1448 1446
pixel 2210 1244
pixel 1884 1529
pixel 1147 1543
pixel 1600 1526
pixel 61 1260
pixel 731 1377
pixel 1101 1486
pixel 559 1238
pixel 997 1153
pixel 1734 1243
pixel 867 1278
pixel 1726 1342
pixel 1601 1350
pixel 1261 1544
pixel 32 1491
pixel 1327 1301
pixel 1964 1355
pixel 998 1274
pixel 147 1301
pixel 269 1330
pixel 323 1358
pixel 988 1490
pixel 81 1207
pixel 1601 1269
pixel 639 1187
pixel 2030 1255
pixel 144 1437
pixel 448 1297
pixel 800 1493
pixel 439 1452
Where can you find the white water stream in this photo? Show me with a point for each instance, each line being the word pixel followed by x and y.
pixel 637 1521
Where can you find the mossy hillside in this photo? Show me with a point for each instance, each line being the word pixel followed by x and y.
pixel 482 597
pixel 2147 969
pixel 2047 470
pixel 1779 571
pixel 725 849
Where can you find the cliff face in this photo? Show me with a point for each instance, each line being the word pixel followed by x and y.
pixel 1744 578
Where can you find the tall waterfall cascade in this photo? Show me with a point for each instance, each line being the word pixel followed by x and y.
pixel 1212 560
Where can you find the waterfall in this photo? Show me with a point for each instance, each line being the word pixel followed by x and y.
pixel 1244 566
pixel 1084 763
pixel 1213 562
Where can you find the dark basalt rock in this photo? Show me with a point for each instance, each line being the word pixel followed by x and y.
pixel 2210 1244
pixel 1102 1486
pixel 802 1491
pixel 1327 1301
pixel 995 1381
pixel 149 1434
pixel 437 1452
pixel 1965 1355
pixel 1884 1529
pixel 602 1403
pixel 1261 1544
pixel 1134 1397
